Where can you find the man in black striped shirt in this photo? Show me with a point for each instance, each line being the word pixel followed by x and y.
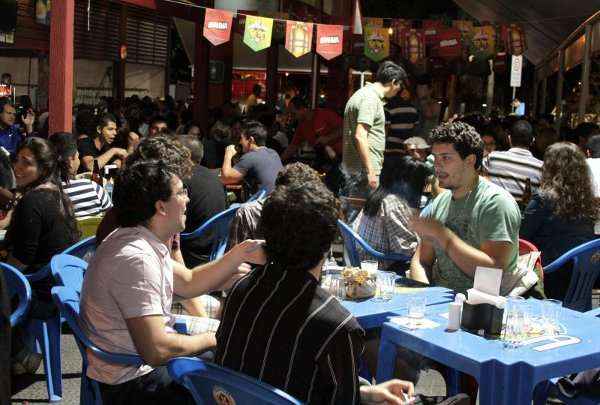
pixel 280 326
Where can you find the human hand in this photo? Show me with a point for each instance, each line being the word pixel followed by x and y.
pixel 428 228
pixel 230 151
pixel 373 181
pixel 120 152
pixel 251 251
pixel 28 120
pixel 395 392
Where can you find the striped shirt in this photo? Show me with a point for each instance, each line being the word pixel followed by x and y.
pixel 403 119
pixel 511 168
pixel 282 328
pixel 88 198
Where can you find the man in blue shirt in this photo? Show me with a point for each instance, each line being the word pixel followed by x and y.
pixel 10 133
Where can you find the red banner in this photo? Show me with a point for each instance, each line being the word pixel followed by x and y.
pixel 330 40
pixel 448 45
pixel 217 26
pixel 431 28
pixel 298 37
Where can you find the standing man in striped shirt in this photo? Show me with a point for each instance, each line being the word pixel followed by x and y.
pixel 281 327
pixel 514 168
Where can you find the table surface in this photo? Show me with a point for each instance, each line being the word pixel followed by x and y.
pixel 491 363
pixel 372 313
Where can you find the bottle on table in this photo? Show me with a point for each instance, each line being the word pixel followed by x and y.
pixel 96 174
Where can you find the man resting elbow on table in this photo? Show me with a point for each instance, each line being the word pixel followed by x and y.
pixel 473 223
pixel 129 286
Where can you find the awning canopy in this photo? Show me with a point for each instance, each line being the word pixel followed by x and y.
pixel 546 22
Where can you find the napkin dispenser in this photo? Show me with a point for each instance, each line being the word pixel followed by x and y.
pixel 482 317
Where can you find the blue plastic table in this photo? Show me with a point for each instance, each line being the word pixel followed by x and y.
pixel 372 313
pixel 505 376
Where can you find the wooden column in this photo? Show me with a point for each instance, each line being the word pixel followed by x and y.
pixel 542 108
pixel 119 65
pixel 559 89
pixel 167 62
pixel 201 57
pixel 272 77
pixel 314 80
pixel 585 72
pixel 534 103
pixel 60 99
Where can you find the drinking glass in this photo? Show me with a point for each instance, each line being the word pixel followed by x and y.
pixel 550 316
pixel 416 310
pixel 369 265
pixel 386 284
pixel 337 287
pixel 514 320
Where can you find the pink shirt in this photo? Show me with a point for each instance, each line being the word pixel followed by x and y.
pixel 129 276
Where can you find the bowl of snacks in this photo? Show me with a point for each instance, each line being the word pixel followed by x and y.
pixel 360 284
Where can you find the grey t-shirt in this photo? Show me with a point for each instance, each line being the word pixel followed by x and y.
pixel 261 167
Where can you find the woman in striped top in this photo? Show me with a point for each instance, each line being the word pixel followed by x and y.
pixel 88 198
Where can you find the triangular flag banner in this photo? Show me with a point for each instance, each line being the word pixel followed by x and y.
pixel 413 47
pixel 298 37
pixel 330 40
pixel 257 32
pixel 377 43
pixel 357 28
pixel 398 25
pixel 217 26
pixel 514 39
pixel 483 41
pixel 372 22
pixel 431 29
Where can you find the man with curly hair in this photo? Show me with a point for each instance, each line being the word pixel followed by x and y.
pixel 473 223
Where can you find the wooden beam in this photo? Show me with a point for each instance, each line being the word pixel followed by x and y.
pixel 60 100
pixel 585 72
pixel 272 76
pixel 119 66
pixel 201 58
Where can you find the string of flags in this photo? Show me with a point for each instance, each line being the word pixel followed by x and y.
pixel 433 39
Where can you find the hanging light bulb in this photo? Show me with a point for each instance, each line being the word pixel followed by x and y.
pixel 390 30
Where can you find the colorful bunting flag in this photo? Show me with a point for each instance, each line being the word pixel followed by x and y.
pixel 377 43
pixel 372 22
pixel 217 26
pixel 398 25
pixel 483 41
pixel 298 37
pixel 413 45
pixel 357 28
pixel 431 29
pixel 465 27
pixel 514 39
pixel 448 45
pixel 330 40
pixel 257 32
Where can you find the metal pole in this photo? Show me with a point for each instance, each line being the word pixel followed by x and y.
pixel 585 73
pixel 559 90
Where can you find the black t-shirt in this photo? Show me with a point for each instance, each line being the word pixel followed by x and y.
pixel 38 230
pixel 207 198
pixel 87 147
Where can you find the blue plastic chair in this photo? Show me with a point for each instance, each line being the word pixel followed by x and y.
pixel 17 284
pixel 67 300
pixel 352 239
pixel 586 267
pixel 219 224
pixel 68 271
pixel 260 194
pixel 83 249
pixel 208 382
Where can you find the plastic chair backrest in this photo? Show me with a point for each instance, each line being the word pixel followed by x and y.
pixel 67 301
pixel 88 225
pixel 212 384
pixel 260 194
pixel 17 285
pixel 68 271
pixel 219 225
pixel 351 239
pixel 586 267
pixel 84 249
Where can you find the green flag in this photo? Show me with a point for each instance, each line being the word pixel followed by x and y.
pixel 257 32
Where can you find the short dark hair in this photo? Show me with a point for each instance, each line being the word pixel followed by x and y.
pixel 137 189
pixel 586 129
pixel 158 119
pixel 257 131
pixel 298 102
pixel 593 146
pixel 390 72
pixel 105 119
pixel 299 224
pixel 3 102
pixel 464 137
pixel 521 133
pixel 194 146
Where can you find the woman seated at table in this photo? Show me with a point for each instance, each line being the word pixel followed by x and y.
pixel 88 198
pixel 562 214
pixel 41 226
pixel 383 222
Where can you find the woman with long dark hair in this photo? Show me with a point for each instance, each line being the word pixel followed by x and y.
pixel 563 212
pixel 383 222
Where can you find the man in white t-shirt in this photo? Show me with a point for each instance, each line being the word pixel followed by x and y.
pixel 129 286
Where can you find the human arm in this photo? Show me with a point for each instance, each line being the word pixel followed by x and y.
pixel 212 276
pixel 133 141
pixel 156 346
pixel 362 146
pixel 422 261
pixel 230 175
pixel 88 161
pixel 390 392
pixel 28 121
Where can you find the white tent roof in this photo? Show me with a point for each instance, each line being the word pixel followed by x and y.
pixel 547 22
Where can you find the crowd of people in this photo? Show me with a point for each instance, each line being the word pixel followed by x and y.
pixel 449 197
